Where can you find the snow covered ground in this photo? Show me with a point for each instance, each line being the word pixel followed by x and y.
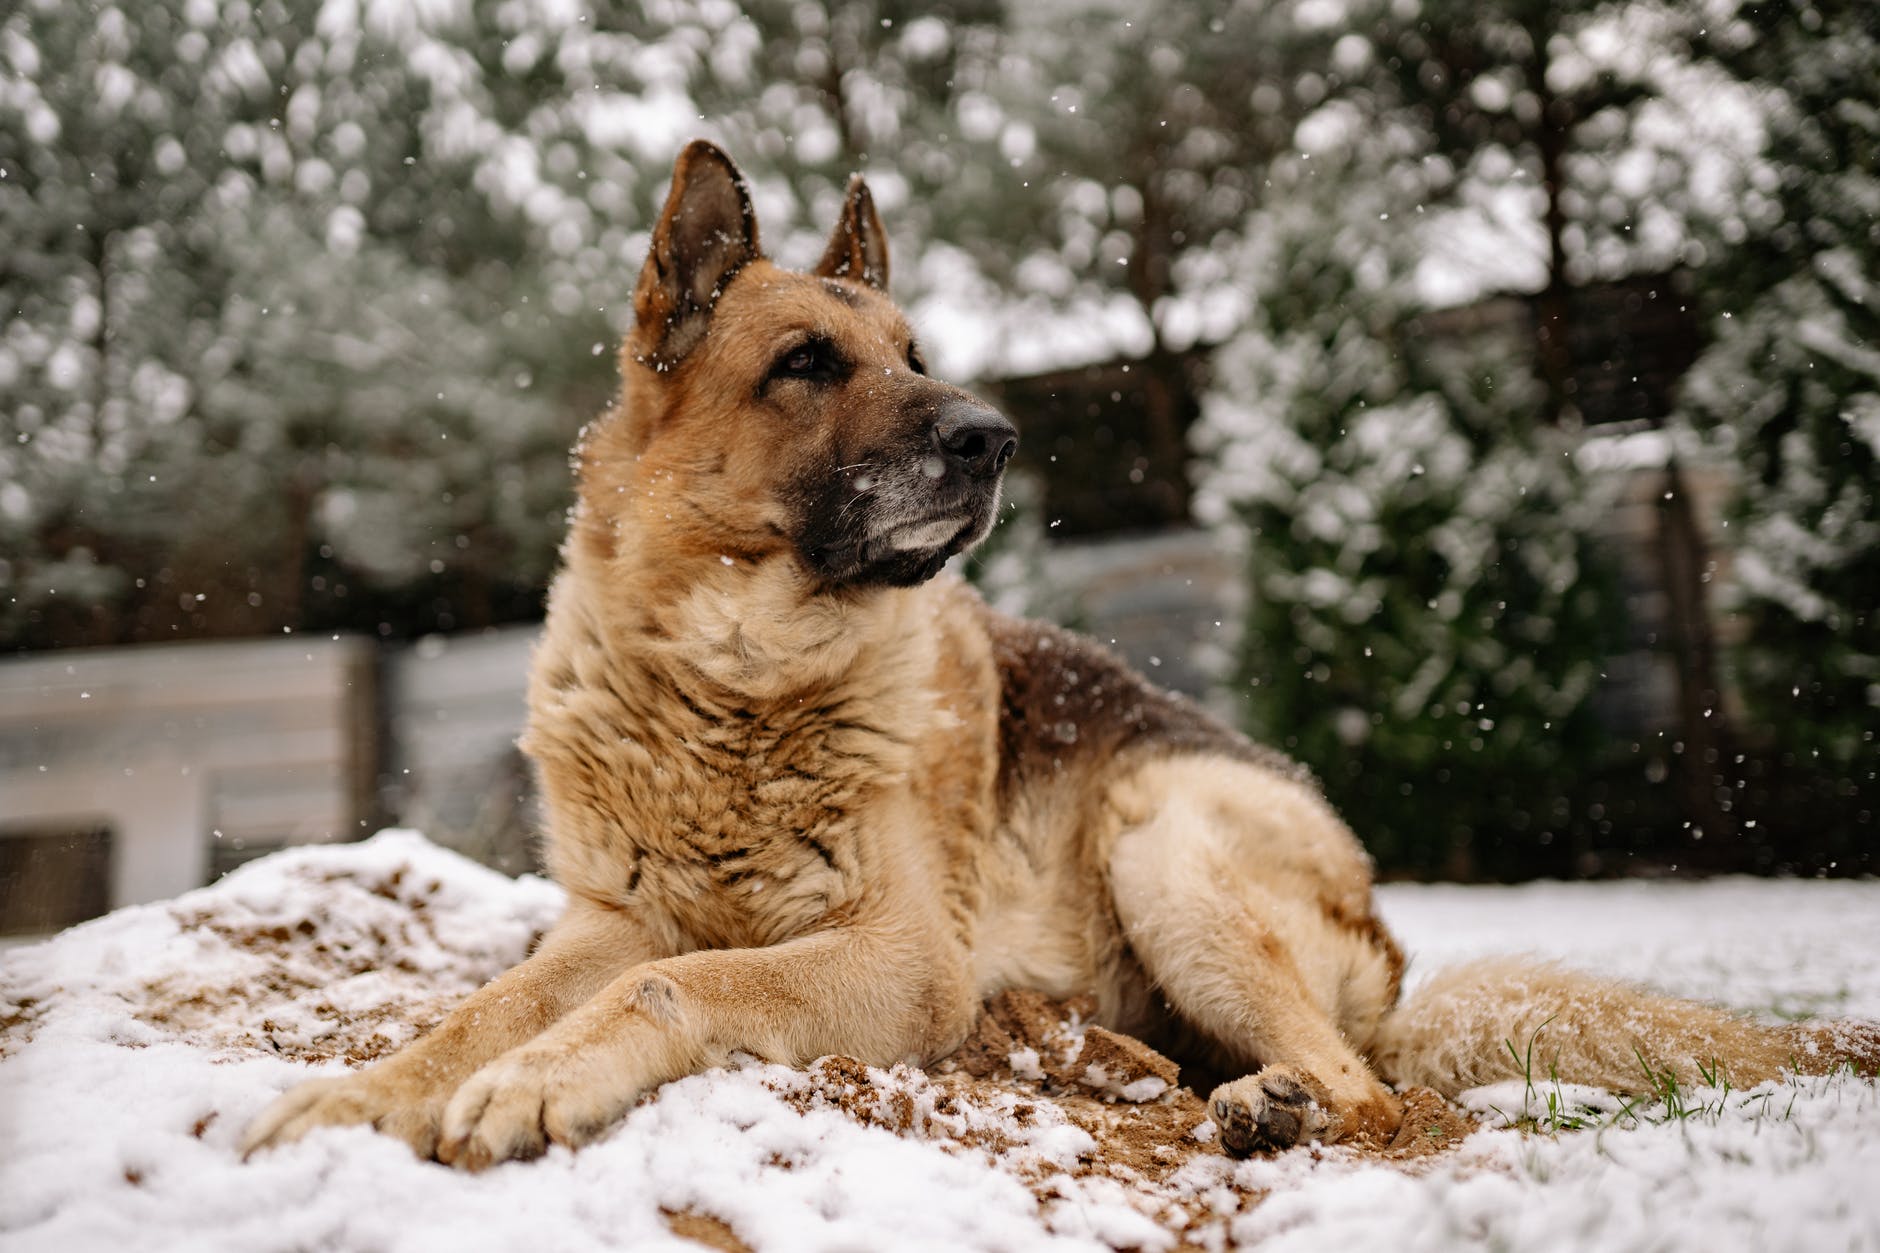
pixel 134 1048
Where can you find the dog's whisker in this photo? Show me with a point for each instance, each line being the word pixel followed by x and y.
pixel 843 513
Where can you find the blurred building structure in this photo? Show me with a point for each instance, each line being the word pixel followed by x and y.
pixel 132 774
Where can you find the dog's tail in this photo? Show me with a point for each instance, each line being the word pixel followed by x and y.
pixel 1506 1018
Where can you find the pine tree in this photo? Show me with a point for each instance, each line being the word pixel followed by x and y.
pixel 1426 621
pixel 293 288
pixel 1791 389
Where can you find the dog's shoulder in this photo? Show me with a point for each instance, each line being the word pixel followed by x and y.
pixel 1068 701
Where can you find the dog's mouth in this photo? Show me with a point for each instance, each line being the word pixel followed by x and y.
pixel 903 551
pixel 925 536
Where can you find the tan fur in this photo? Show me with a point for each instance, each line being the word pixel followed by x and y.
pixel 800 812
pixel 1589 1030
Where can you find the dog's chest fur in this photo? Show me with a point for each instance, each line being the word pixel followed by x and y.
pixel 730 821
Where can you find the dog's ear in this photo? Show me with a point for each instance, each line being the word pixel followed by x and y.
pixel 859 247
pixel 706 234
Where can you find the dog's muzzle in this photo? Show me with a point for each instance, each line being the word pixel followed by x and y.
pixel 921 503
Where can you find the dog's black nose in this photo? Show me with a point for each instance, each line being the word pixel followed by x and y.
pixel 977 438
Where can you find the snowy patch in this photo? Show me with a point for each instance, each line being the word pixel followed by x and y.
pixel 133 1050
pixel 1024 1063
pixel 1546 1103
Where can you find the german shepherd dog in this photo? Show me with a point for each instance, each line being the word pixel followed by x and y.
pixel 809 795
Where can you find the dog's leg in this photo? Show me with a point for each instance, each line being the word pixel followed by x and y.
pixel 405 1095
pixel 854 990
pixel 1261 973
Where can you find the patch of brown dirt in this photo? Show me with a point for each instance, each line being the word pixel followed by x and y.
pixel 1430 1126
pixel 1034 1067
pixel 16 1023
pixel 345 988
pixel 355 1036
pixel 704 1229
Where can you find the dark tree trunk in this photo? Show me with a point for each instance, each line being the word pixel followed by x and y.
pixel 836 100
pixel 290 597
pixel 1164 385
pixel 1554 307
pixel 1165 390
pixel 100 256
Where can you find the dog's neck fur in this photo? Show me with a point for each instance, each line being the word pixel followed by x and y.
pixel 749 633
pixel 739 619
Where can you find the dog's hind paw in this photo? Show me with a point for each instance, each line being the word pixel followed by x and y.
pixel 1272 1110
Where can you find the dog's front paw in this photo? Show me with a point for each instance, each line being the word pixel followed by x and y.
pixel 398 1107
pixel 1272 1110
pixel 520 1103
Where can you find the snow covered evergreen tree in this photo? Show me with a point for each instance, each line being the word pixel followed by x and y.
pixel 304 302
pixel 271 260
pixel 1426 620
pixel 1791 389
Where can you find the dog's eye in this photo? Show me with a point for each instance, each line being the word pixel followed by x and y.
pixel 811 360
pixel 916 362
